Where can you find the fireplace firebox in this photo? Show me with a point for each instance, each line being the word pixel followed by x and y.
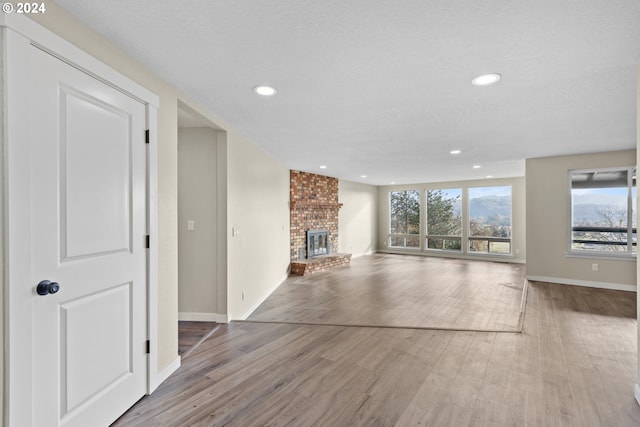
pixel 318 243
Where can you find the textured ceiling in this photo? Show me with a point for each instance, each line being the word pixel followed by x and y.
pixel 383 88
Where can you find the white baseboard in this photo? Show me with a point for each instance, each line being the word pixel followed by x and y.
pixel 636 393
pixel 165 373
pixel 585 283
pixel 203 317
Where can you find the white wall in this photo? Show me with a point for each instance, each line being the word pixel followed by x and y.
pixel 198 284
pixel 549 222
pixel 518 216
pixel 358 218
pixel 258 207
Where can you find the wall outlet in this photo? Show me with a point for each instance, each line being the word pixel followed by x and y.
pixel 594 267
pixel 191 225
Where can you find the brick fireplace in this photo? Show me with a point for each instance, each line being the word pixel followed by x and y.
pixel 314 205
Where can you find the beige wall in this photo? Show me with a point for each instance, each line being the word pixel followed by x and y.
pixel 258 208
pixel 358 218
pixel 198 201
pixel 549 218
pixel 518 216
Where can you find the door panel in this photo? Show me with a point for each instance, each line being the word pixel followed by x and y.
pixel 88 178
pixel 95 178
pixel 110 339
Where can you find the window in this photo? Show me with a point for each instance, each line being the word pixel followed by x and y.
pixel 490 220
pixel 466 220
pixel 404 227
pixel 602 211
pixel 444 219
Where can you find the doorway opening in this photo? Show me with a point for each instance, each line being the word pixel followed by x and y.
pixel 202 181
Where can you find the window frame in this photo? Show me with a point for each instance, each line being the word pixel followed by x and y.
pixel 460 238
pixel 469 237
pixel 405 236
pixel 583 253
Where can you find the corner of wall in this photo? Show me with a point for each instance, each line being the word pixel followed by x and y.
pixel 223 280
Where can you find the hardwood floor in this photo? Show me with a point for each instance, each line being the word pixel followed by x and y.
pixel 574 365
pixel 403 291
pixel 190 334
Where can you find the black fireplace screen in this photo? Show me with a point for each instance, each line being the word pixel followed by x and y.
pixel 317 243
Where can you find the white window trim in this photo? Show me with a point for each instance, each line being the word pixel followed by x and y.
pixel 578 253
pixel 465 236
pixel 426 235
pixel 419 235
pixel 468 218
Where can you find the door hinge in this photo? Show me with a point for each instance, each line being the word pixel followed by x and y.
pixel 148 346
pixel 146 136
pixel 147 242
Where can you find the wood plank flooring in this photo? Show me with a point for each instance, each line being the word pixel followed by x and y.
pixel 403 291
pixel 191 333
pixel 574 365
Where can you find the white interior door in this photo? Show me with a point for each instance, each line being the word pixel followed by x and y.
pixel 88 229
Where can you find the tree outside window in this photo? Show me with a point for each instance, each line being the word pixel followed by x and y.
pixel 444 219
pixel 404 227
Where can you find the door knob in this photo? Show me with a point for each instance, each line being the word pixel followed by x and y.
pixel 47 287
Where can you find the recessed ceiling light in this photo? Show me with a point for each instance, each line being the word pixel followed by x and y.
pixel 476 166
pixel 455 151
pixel 265 90
pixel 393 182
pixel 363 176
pixel 323 166
pixel 489 176
pixel 486 79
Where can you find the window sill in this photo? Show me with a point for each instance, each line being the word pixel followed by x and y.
pixel 489 254
pixel 446 251
pixel 471 254
pixel 601 255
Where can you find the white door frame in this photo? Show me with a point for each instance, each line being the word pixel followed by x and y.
pixel 18 34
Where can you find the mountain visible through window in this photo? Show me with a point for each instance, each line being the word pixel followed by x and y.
pixel 490 219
